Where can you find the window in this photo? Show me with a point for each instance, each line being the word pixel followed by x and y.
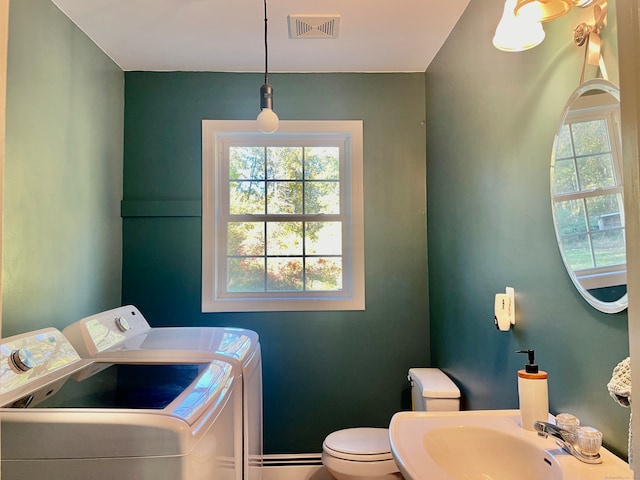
pixel 282 217
pixel 587 194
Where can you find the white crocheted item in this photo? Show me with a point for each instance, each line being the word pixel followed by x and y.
pixel 620 390
pixel 620 384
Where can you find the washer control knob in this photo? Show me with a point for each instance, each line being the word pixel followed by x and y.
pixel 122 324
pixel 22 360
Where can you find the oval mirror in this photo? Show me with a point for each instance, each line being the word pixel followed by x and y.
pixel 586 195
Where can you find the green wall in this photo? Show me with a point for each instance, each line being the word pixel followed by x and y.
pixel 491 121
pixel 63 173
pixel 322 370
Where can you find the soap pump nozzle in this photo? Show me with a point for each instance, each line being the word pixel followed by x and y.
pixel 530 367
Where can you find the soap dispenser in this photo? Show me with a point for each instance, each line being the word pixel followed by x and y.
pixel 533 393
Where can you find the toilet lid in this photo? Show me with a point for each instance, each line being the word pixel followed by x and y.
pixel 367 444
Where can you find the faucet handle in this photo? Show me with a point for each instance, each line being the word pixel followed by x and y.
pixel 567 422
pixel 589 441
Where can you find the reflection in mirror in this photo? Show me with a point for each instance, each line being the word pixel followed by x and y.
pixel 586 195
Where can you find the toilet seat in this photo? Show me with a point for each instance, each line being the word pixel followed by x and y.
pixel 359 444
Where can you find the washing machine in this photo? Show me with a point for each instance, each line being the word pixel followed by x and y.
pixel 123 333
pixel 67 418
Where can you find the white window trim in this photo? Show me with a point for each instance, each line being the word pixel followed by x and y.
pixel 214 132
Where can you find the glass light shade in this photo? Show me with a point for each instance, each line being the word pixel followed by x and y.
pixel 542 10
pixel 268 121
pixel 516 34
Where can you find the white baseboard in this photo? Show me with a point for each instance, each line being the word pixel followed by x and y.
pixel 298 466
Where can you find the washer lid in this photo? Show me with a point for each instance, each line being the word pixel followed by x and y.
pixel 359 441
pixel 123 334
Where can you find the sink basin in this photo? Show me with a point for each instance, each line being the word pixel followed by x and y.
pixel 487 445
pixel 466 451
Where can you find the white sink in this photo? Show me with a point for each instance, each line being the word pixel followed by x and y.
pixel 487 445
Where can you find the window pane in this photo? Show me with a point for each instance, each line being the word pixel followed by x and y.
pixel 245 238
pixel 577 251
pixel 603 210
pixel 284 274
pixel 322 197
pixel 571 217
pixel 284 198
pixel 246 197
pixel 245 274
pixel 564 149
pixel 564 177
pixel 323 238
pixel 590 137
pixel 246 163
pixel 609 247
pixel 284 163
pixel 596 172
pixel 322 163
pixel 284 238
pixel 324 274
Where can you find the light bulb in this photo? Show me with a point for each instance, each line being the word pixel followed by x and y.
pixel 516 34
pixel 267 121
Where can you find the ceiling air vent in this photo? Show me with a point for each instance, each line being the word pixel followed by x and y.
pixel 314 26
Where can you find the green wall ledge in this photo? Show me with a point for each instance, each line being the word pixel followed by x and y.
pixel 161 208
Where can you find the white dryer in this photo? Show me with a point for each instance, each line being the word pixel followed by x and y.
pixel 67 418
pixel 124 334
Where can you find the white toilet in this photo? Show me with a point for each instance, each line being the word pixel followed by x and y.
pixel 365 453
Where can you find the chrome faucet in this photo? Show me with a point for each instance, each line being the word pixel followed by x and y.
pixel 569 441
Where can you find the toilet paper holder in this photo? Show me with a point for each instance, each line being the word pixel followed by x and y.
pixel 505 310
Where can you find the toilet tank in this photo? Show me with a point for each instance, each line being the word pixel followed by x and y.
pixel 433 391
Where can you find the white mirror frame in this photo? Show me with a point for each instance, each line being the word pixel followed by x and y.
pixel 608 87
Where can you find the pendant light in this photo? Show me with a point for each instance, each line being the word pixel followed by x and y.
pixel 267 119
pixel 542 10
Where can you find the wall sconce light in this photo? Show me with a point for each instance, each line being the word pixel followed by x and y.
pixel 520 27
pixel 586 3
pixel 542 10
pixel 516 34
pixel 267 119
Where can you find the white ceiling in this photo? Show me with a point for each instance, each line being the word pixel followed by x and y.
pixel 228 35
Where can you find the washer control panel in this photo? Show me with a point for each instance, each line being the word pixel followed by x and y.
pixel 102 331
pixel 27 361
